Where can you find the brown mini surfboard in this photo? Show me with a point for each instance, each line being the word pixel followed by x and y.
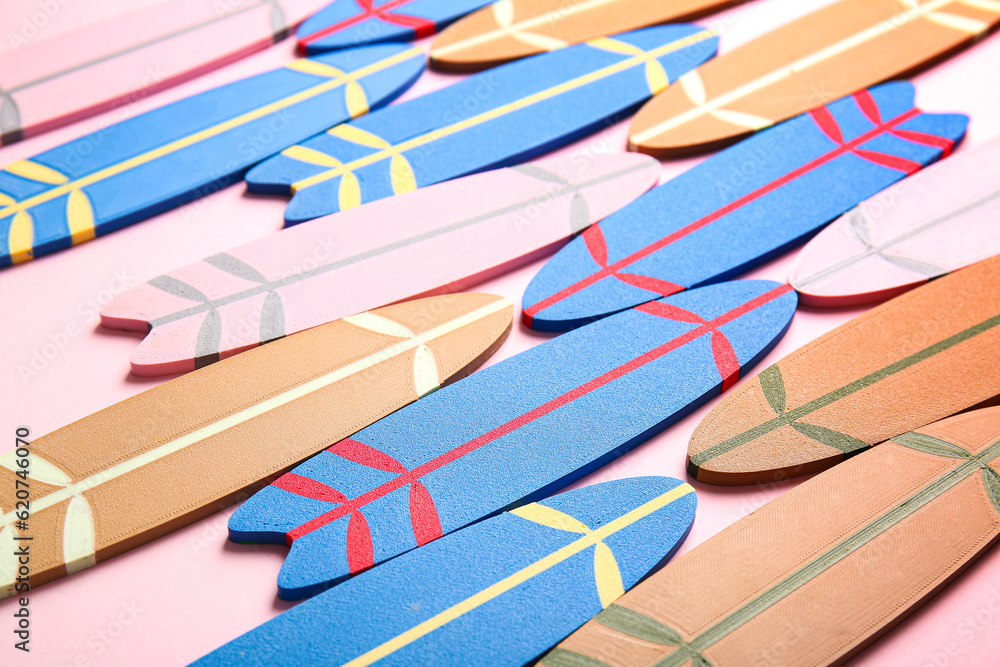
pixel 191 446
pixel 914 360
pixel 819 573
pixel 510 29
pixel 840 49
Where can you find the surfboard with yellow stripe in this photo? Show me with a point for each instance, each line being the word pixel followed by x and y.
pixel 178 452
pixel 499 592
pixel 492 119
pixel 833 52
pixel 142 166
pixel 816 575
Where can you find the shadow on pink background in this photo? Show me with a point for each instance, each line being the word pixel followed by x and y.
pixel 183 595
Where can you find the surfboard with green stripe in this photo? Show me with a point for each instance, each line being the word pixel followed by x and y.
pixel 819 573
pixel 914 360
pixel 134 169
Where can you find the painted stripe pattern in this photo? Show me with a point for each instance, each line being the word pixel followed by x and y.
pixel 774 391
pixel 49 201
pixel 351 23
pixel 12 125
pixel 425 380
pixel 852 129
pixel 287 296
pixel 586 546
pixel 909 235
pixel 910 11
pixel 397 483
pixel 418 143
pixel 634 624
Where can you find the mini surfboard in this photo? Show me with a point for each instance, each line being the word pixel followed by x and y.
pixel 163 158
pixel 741 207
pixel 930 224
pixel 49 82
pixel 496 118
pixel 467 598
pixel 512 29
pixel 191 446
pixel 445 236
pixel 916 359
pixel 349 23
pixel 842 48
pixel 816 575
pixel 512 433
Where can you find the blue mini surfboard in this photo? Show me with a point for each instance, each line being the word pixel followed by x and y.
pixel 512 433
pixel 741 207
pixel 348 23
pixel 500 592
pixel 134 169
pixel 492 119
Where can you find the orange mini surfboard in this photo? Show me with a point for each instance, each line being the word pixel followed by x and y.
pixel 511 29
pixel 191 446
pixel 925 355
pixel 840 49
pixel 818 574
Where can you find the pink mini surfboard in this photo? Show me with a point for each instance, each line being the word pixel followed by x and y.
pixel 437 239
pixel 45 83
pixel 935 222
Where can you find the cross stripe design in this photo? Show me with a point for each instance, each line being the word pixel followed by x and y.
pixel 384 12
pixel 423 513
pixel 524 31
pixel 538 514
pixel 637 625
pixel 258 407
pixel 911 11
pixel 861 226
pixel 824 119
pixel 409 476
pixel 636 58
pixel 10 121
pixel 78 545
pixel 272 315
pixel 79 210
pixel 21 233
pixel 773 387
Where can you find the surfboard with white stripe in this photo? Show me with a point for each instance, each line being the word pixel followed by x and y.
pixel 178 452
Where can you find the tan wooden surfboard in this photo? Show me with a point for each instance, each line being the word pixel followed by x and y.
pixel 191 446
pixel 819 573
pixel 833 52
pixel 918 358
pixel 510 29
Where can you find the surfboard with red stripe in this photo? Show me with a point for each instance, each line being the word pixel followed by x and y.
pixel 512 433
pixel 741 207
pixel 468 595
pixel 348 23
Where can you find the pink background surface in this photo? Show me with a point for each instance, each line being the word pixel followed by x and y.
pixel 177 598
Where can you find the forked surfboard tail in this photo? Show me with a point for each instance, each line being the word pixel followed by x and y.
pixel 163 158
pixel 722 217
pixel 558 562
pixel 511 29
pixel 926 226
pixel 122 476
pixel 916 359
pixel 520 111
pixel 512 433
pixel 351 23
pixel 432 239
pixel 846 46
pixel 819 573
